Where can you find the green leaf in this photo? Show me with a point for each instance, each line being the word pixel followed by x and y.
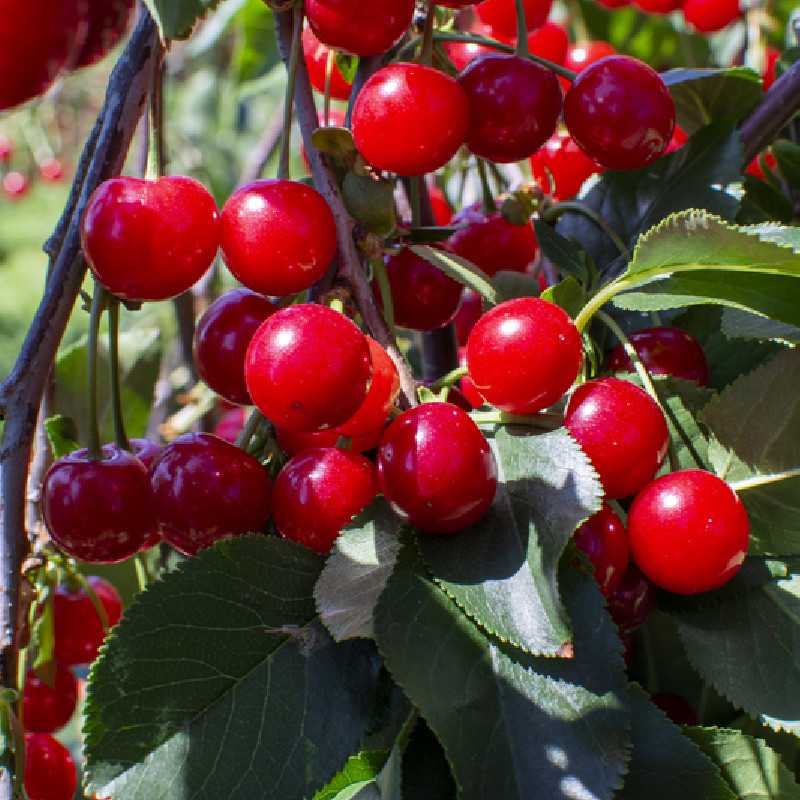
pixel 62 433
pixel 763 202
pixel 356 572
pixel 510 285
pixel 703 96
pixel 568 256
pixel 359 771
pixel 176 18
pixel 744 325
pixel 459 269
pixel 502 571
pixel 750 767
pixel 568 294
pixel 426 773
pixel 788 156
pixel 219 682
pixel 348 65
pixel 256 50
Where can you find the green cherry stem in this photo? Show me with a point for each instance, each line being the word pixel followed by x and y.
pixel 98 306
pixel 522 31
pixel 489 205
pixel 555 211
pixel 544 419
pixel 294 57
pixel 379 271
pixel 249 431
pixel 120 435
pixel 758 481
pixel 450 379
pixel 426 54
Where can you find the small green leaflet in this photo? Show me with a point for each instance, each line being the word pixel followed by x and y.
pixel 176 18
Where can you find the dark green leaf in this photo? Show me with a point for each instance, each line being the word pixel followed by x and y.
pixel 743 325
pixel 510 285
pixel 568 294
pixel 426 773
pixel 176 18
pixel 459 269
pixel 62 434
pixel 763 202
pixel 788 156
pixel 568 256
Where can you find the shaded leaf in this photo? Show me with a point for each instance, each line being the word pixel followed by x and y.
pixel 176 18
pixel 762 202
pixel 510 285
pixel 62 434
pixel 568 256
pixel 744 325
pixel 568 294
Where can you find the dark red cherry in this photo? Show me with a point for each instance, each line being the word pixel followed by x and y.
pixel 632 601
pixel 664 351
pixel 620 113
pixel 79 631
pixel 231 424
pixel 410 119
pixel 221 340
pixel 278 237
pixel 308 368
pixel 48 708
pixel 108 20
pixel 469 312
pixel 676 708
pixel 581 54
pixel 99 511
pixel 424 297
pixel 294 442
pixel 514 105
pixel 707 16
pixel 524 354
pixel 561 167
pixel 146 450
pixel 365 29
pixel 150 240
pixel 501 15
pixel 318 492
pixel 492 243
pixel 316 55
pixel 436 468
pixel 605 541
pixel 207 489
pixel 49 769
pixel 689 532
pixel 622 430
pixel 659 6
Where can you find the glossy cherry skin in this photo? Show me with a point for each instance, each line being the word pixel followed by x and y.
pixel 492 243
pixel 222 337
pixel 676 708
pixel 48 708
pixel 150 240
pixel 308 368
pixel 278 237
pixel 707 16
pixel 514 105
pixel 550 41
pixel 207 489
pixel 436 468
pixel 49 769
pixel 464 53
pixel 365 29
pixel 424 297
pixel 561 167
pixel 467 386
pixel 316 56
pixel 231 424
pixel 581 54
pixel 605 541
pixel 108 20
pixel 146 450
pixel 469 312
pixel 442 213
pixel 524 354
pixel 622 430
pixel 100 511
pixel 381 395
pixel 659 6
pixel 318 492
pixel 78 628
pixel 620 113
pixel 689 532
pixel 501 15
pixel 410 119
pixel 631 603
pixel 664 351
pixel 294 442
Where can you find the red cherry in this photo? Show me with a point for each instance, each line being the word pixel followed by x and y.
pixel 108 20
pixel 514 105
pixel 424 297
pixel 708 16
pixel 49 769
pixel 620 112
pixel 6 148
pixel 231 424
pixel 294 442
pixel 754 167
pixel 561 167
pixel 469 312
pixel 78 628
pixel 501 15
pixel 770 67
pixel 98 510
pixel 278 237
pixel 664 351
pixel 150 240
pixel 15 185
pixel 689 532
pixel 51 170
pixel 383 391
pixel 206 489
pixel 316 55
pixel 492 243
pixel 308 368
pixel 612 4
pixel 605 541
pixel 442 213
pixel 365 29
pixel 410 119
pixel 318 492
pixel 222 338
pixel 471 394
pixel 676 708
pixel 436 468
pixel 550 41
pixel 48 708
pixel 622 430
pixel 524 354
pixel 659 6
pixel 146 450
pixel 678 140
pixel 581 54
pixel 463 53
pixel 632 601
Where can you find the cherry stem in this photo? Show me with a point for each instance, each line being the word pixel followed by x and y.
pixel 98 306
pixel 294 57
pixel 758 481
pixel 489 206
pixel 379 271
pixel 426 54
pixel 450 379
pixel 251 426
pixel 141 572
pixel 557 210
pixel 522 31
pixel 544 419
pixel 329 67
pixel 120 435
pixel 157 149
pixel 415 200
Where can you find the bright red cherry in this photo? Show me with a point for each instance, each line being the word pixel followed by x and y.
pixel 424 297
pixel 48 708
pixel 514 105
pixel 49 769
pixel 501 15
pixel 278 237
pixel 631 603
pixel 622 430
pixel 708 16
pixel 620 112
pixel 6 149
pixel 442 213
pixel 108 21
pixel 561 167
pixel 689 532
pixel 231 424
pixel 678 140
pixel 676 708
pixel 581 54
pixel 410 119
pixel 98 510
pixel 436 468
pixel 463 53
pixel 221 340
pixel 469 312
pixel 78 628
pixel 524 354
pixel 659 6
pixel 365 29
pixel 550 41
pixel 468 389
pixel 605 541
pixel 316 55
pixel 754 167
pixel 664 351
pixel 318 492
pixel 492 243
pixel 51 170
pixel 308 368
pixel 294 442
pixel 16 185
pixel 770 67
pixel 150 240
